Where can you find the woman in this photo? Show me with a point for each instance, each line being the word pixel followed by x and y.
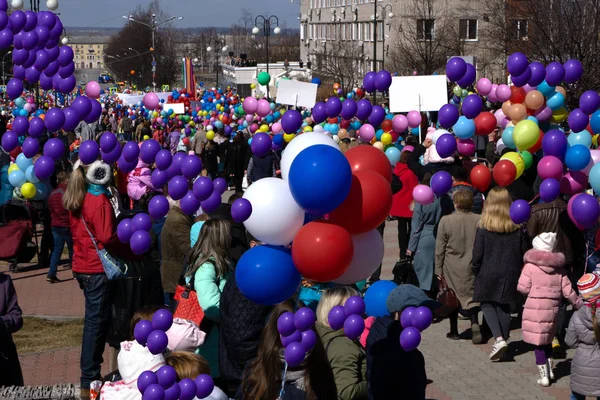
pixel 11 320
pixel 497 260
pixel 263 377
pixel 422 242
pixel 347 357
pixel 402 200
pixel 91 215
pixel 453 252
pixel 210 159
pixel 208 269
pixel 237 161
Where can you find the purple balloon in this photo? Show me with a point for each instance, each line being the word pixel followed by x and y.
pixel 573 71
pixel 220 185
pixel 204 386
pixel 523 79
pixel 112 156
pixel 333 107
pixel 17 37
pixel 410 338
pixel 55 119
pixel 520 211
pixel 19 73
pixel 212 203
pixel 291 121
pixel 131 151
pixel 304 319
pixel 446 145
pixel 158 206
pixel 6 38
pixel 406 318
pixel 203 188
pixel 471 106
pixel 191 166
pixel 43 168
pixel 469 77
pixel 89 152
pixel 589 102
pixel 53 67
pixel 163 159
pixel 10 141
pixel 294 354
pixel 3 15
pixel 154 392
pixel 32 75
pixel 65 56
pixel 149 150
pixel 146 378
pixel 578 120
pixel 585 210
pixel 30 147
pixel 261 144
pixel 441 183
pixel 178 159
pixel 57 30
pixel 422 318
pixel 142 330
pixel 363 109
pixel 538 73
pixel 19 56
pixel 349 109
pixel 355 305
pixel 309 339
pixel 159 178
pixel 285 323
pixel 318 113
pixel 42 60
pixel 555 73
pixel 555 143
pixel 140 243
pixel 178 187
pixel 189 204
pixel 188 389
pixel 43 35
pixel 383 80
pixel 47 19
pixel 72 119
pixel 517 63
pixel 241 210
pixel 54 148
pixel 124 233
pixel 65 72
pixel 30 60
pixel 46 81
pixel 296 336
pixel 173 392
pixel 95 113
pixel 166 375
pixel 456 68
pixel 354 326
pixel 369 81
pixel 141 222
pixel 549 190
pixel 14 88
pixel 18 19
pixel 36 127
pixel 30 20
pixel 29 40
pixel 82 105
pixel 448 115
pixel 20 125
pixel 108 141
pixel 126 166
pixel 377 115
pixel 336 317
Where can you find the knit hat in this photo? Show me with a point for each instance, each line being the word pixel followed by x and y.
pixel 589 287
pixel 408 295
pixel 545 241
pixel 98 172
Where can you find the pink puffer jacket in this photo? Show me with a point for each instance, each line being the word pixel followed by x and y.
pixel 139 181
pixel 544 282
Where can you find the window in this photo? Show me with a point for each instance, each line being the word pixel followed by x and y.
pixel 354 30
pixel 521 29
pixel 360 30
pixel 425 28
pixel 82 65
pixel 302 28
pixel 467 29
pixel 368 32
pixel 311 31
pixel 343 31
pixel 380 32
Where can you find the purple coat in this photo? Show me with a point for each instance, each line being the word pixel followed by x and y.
pixel 544 282
pixel 11 320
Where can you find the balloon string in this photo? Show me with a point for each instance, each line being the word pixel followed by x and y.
pixel 285 366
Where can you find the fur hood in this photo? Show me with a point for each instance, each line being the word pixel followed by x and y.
pixel 546 260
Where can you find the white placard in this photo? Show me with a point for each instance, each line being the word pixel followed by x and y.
pixel 420 93
pixel 178 108
pixel 130 99
pixel 296 93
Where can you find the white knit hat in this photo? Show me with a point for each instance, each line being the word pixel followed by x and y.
pixel 545 241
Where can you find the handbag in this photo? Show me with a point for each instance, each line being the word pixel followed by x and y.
pixel 404 272
pixel 113 267
pixel 447 297
pixel 186 303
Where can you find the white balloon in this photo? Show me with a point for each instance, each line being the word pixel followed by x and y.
pixel 64 41
pixel 500 146
pixel 52 5
pixel 368 254
pixel 276 218
pixel 318 129
pixel 437 134
pixel 16 4
pixel 336 138
pixel 300 143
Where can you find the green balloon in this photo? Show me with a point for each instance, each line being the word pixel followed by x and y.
pixel 528 158
pixel 263 78
pixel 457 91
pixel 464 93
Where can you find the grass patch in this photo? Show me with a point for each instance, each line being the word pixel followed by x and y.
pixel 40 334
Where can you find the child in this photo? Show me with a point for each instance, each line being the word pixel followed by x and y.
pixel 544 282
pixel 61 232
pixel 583 334
pixel 139 182
pixel 190 365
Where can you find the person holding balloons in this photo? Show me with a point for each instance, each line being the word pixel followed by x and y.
pixel 402 200
pixel 60 226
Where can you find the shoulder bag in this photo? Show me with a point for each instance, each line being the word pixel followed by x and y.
pixel 186 303
pixel 113 267
pixel 447 298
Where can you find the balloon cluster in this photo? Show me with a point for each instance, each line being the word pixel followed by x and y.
pixel 136 232
pixel 349 317
pixel 297 334
pixel 162 384
pixel 22 176
pixel 414 320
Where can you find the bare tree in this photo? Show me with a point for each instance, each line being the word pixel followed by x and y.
pixel 340 62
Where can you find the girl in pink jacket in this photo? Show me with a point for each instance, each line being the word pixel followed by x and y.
pixel 544 282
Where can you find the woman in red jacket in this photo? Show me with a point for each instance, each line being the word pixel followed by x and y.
pixel 87 199
pixel 401 209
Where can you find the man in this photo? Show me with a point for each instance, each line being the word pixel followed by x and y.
pixel 261 167
pixel 125 126
pixel 85 131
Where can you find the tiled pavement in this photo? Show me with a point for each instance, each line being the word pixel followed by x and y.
pixel 458 370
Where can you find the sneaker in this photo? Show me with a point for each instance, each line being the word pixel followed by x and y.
pixel 453 336
pixel 498 350
pixel 52 279
pixel 476 334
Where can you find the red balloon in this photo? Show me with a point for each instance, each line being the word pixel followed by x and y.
pixel 368 204
pixel 322 251
pixel 332 120
pixel 386 125
pixel 538 145
pixel 517 95
pixel 505 172
pixel 345 124
pixel 186 141
pixel 481 177
pixel 16 151
pixel 369 158
pixel 485 123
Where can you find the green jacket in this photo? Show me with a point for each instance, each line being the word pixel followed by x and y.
pixel 348 361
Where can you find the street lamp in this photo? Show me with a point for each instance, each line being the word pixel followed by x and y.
pixel 153 25
pixel 3 63
pixel 217 42
pixel 387 8
pixel 265 23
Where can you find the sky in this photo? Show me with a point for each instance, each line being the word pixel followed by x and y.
pixel 196 13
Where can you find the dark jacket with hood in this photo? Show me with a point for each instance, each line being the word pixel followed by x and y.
pixel 11 320
pixel 477 196
pixel 421 170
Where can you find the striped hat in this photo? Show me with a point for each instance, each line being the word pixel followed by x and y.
pixel 589 287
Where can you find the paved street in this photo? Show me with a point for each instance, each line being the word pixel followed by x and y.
pixel 458 370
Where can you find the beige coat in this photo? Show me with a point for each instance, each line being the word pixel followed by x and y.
pixel 453 254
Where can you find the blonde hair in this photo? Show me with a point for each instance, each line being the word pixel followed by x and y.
pixel 213 246
pixel 187 365
pixel 336 296
pixel 76 190
pixel 496 215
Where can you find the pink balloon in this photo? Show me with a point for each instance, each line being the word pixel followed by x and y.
pixel 253 128
pixel 248 118
pixel 573 182
pixel 151 100
pixel 250 105
pixel 264 108
pixel 499 114
pixel 466 147
pixel 503 93
pixel 543 113
pixel 504 123
pixel 92 90
pixel 423 194
pixel 399 123
pixel 550 167
pixel 159 120
pixel 408 148
pixel 484 86
pixel 492 95
pixel 366 132
pixel 587 169
pixel 595 156
pixel 276 128
pixel 414 119
pixel 528 88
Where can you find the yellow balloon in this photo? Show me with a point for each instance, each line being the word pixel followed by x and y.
pixel 526 134
pixel 146 137
pixel 264 128
pixel 386 139
pixel 288 137
pixel 252 86
pixel 13 167
pixel 595 140
pixel 379 145
pixel 516 159
pixel 559 115
pixel 210 135
pixel 28 190
pixel 192 123
pixel 307 128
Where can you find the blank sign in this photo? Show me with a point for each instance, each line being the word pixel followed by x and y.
pixel 295 93
pixel 420 93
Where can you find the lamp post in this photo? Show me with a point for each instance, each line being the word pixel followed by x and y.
pixel 265 23
pixel 217 43
pixel 3 64
pixel 153 25
pixel 375 16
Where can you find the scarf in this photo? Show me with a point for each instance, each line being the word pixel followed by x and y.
pixel 97 190
pixel 294 376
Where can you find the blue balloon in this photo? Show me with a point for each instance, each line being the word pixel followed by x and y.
pixel 30 175
pixel 595 178
pixel 17 178
pixel 595 122
pixel 556 101
pixel 545 89
pixel 376 298
pixel 577 157
pixel 278 139
pixel 267 261
pixel 507 137
pixel 23 162
pixel 393 155
pixel 320 179
pixel 378 134
pixel 584 138
pixel 464 128
pixel 316 81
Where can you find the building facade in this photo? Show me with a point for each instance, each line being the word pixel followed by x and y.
pixel 90 58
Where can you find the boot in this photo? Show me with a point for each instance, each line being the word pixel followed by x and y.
pixel 543 381
pixel 550 366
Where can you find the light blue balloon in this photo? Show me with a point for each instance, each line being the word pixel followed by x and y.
pixel 335 128
pixel 378 134
pixel 415 131
pixel 30 175
pixel 23 162
pixel 218 124
pixel 17 178
pixel 507 137
pixel 556 101
pixel 20 102
pixel 583 138
pixel 464 128
pixel 393 155
pixel 545 89
pixel 595 178
pixel 534 119
pixel 24 112
pixel 272 106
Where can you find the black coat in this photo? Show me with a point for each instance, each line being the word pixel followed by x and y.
pixel 237 159
pixel 421 170
pixel 393 373
pixel 497 264
pixel 11 321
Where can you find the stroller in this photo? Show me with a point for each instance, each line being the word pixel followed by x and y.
pixel 17 233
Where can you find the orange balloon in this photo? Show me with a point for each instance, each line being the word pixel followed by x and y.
pixel 336 86
pixel 561 90
pixel 517 112
pixel 506 106
pixel 342 133
pixel 534 100
pixel 481 177
pixel 505 172
pixel 132 72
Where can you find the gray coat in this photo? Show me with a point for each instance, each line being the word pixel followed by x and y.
pixel 585 367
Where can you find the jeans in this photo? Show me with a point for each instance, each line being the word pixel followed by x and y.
pixel 99 295
pixel 498 318
pixel 576 396
pixel 60 236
